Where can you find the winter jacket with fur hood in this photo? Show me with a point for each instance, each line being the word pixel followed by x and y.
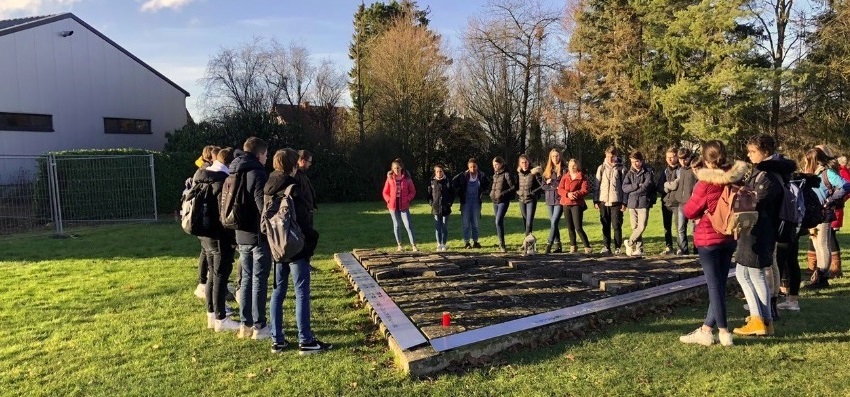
pixel 399 200
pixel 441 196
pixel 707 191
pixel 529 184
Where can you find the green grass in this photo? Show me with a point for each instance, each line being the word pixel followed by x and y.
pixel 111 312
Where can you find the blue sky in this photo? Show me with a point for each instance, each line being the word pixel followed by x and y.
pixel 177 37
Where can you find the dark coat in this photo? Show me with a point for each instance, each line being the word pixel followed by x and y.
pixel 529 184
pixel 755 249
pixel 503 187
pixel 307 189
pixel 551 188
pixel 441 196
pixel 216 180
pixel 636 186
pixel 668 199
pixel 459 185
pixel 274 188
pixel 255 179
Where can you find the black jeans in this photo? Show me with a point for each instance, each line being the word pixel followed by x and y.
pixel 203 267
pixel 667 217
pixel 220 260
pixel 611 218
pixel 574 216
pixel 715 261
pixel 789 265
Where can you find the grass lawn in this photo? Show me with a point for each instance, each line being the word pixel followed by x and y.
pixel 111 312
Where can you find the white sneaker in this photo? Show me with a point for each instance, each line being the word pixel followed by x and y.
pixel 628 245
pixel 201 291
pixel 210 320
pixel 789 305
pixel 698 336
pixel 746 307
pixel 415 249
pixel 725 338
pixel 261 333
pixel 637 252
pixel 399 248
pixel 226 325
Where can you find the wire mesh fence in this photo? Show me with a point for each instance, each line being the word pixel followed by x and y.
pixel 40 192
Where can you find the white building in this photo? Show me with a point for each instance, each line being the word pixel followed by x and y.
pixel 64 85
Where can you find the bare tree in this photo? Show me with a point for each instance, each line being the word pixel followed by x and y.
pixel 329 85
pixel 236 80
pixel 516 37
pixel 291 71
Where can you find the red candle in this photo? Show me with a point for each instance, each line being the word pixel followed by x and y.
pixel 447 319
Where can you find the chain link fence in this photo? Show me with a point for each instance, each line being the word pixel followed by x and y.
pixel 41 193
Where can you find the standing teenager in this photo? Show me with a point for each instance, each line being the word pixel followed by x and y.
pixel 502 191
pixel 669 204
pixel 555 170
pixel 398 193
pixel 638 186
pixel 573 188
pixel 441 196
pixel 469 186
pixel 609 199
pixel 528 190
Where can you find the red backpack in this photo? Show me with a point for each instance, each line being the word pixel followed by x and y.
pixel 735 212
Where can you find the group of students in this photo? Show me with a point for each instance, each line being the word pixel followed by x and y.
pixel 689 187
pixel 563 187
pixel 257 191
pixel 765 256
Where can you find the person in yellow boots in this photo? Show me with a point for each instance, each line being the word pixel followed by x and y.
pixel 754 256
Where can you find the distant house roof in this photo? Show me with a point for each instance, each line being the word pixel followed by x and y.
pixel 10 26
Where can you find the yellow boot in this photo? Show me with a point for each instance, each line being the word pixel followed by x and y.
pixel 755 326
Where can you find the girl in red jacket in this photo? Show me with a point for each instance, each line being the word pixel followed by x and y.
pixel 572 189
pixel 715 250
pixel 398 193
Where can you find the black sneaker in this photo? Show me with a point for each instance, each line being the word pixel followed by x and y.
pixel 467 246
pixel 476 245
pixel 279 347
pixel 316 346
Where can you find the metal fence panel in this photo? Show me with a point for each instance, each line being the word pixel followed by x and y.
pixel 24 195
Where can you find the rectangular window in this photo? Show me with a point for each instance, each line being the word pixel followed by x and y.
pixel 126 126
pixel 26 122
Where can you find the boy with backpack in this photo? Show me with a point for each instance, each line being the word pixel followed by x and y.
pixel 242 202
pixel 639 188
pixel 287 213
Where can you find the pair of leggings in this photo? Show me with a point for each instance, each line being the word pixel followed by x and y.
pixel 574 216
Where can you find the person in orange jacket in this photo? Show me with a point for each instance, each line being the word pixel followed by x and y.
pixel 572 189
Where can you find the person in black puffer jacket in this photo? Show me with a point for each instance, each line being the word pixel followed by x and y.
pixel 529 185
pixel 754 256
pixel 285 163
pixel 218 247
pixel 254 253
pixel 501 192
pixel 441 196
pixel 638 186
pixel 669 204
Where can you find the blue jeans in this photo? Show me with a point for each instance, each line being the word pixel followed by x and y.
pixel 555 212
pixel 441 228
pixel 500 210
pixel 715 261
pixel 754 284
pixel 300 270
pixel 256 261
pixel 527 210
pixel 470 213
pixel 405 219
pixel 682 230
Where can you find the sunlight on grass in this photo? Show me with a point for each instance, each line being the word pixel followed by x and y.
pixel 111 312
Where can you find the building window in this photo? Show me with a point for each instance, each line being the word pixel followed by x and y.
pixel 26 122
pixel 126 126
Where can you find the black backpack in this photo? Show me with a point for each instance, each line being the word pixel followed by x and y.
pixel 815 213
pixel 279 224
pixel 199 215
pixel 232 204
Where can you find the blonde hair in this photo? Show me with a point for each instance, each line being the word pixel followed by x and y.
pixel 550 166
pixel 574 161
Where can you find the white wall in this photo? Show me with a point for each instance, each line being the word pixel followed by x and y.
pixel 79 80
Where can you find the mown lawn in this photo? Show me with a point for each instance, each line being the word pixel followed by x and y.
pixel 111 312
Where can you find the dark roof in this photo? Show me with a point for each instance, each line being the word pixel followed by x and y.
pixel 10 26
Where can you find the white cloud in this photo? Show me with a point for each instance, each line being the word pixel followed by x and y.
pixel 25 8
pixel 156 5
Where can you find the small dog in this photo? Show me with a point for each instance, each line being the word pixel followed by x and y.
pixel 529 245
